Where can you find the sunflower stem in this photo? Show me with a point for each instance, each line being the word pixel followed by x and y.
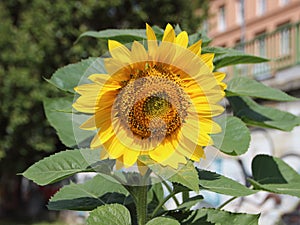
pixel 140 196
pixel 141 204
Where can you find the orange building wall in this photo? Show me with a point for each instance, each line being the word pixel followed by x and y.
pixel 274 16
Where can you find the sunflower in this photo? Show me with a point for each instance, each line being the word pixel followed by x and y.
pixel 157 101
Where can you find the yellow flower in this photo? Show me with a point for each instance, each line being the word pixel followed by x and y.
pixel 157 101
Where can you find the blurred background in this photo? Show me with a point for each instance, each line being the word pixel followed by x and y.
pixel 37 37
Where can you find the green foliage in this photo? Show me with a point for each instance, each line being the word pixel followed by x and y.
pixel 215 216
pixel 233 57
pixel 262 116
pixel 127 187
pixel 114 214
pixel 234 138
pixel 64 164
pixel 68 77
pixel 221 184
pixel 244 86
pixel 163 220
pixel 37 37
pixel 274 175
pixel 123 36
pixel 185 175
pixel 59 114
pixel 86 196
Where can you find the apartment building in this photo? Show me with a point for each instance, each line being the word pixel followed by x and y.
pixel 268 28
pixel 271 29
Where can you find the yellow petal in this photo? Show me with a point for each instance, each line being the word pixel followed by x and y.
pixel 85 105
pixel 208 59
pixel 104 134
pixel 130 157
pixel 150 33
pixel 117 69
pixel 99 78
pixel 162 152
pixel 139 53
pixel 196 47
pixel 119 51
pixel 96 142
pixel 169 34
pixel 105 84
pixel 220 77
pixel 114 148
pixel 88 89
pixel 190 150
pixel 174 160
pixel 152 42
pixel 166 53
pixel 195 134
pixel 182 39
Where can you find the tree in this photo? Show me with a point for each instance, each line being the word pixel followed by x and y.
pixel 37 37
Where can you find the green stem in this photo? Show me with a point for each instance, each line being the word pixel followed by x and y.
pixel 227 202
pixel 171 195
pixel 185 196
pixel 170 190
pixel 141 199
pixel 141 204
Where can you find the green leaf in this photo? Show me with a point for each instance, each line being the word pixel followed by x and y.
pixel 163 221
pixel 233 57
pixel 185 174
pixel 220 184
pixel 70 76
pixel 187 205
pixel 244 86
pixel 216 50
pixel 98 191
pixel 64 164
pixel 66 124
pixel 154 196
pixel 274 175
pixel 112 214
pixel 221 217
pixel 124 36
pixel 257 115
pixel 193 38
pixel 156 193
pixel 234 138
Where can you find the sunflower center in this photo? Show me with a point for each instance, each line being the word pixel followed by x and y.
pixel 156 106
pixel 152 104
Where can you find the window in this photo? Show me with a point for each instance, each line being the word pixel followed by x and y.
pixel 222 19
pixel 238 12
pixel 285 41
pixel 261 7
pixel 262 46
pixel 240 69
pixel 283 2
pixel 261 71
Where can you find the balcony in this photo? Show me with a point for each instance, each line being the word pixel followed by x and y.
pixel 282 47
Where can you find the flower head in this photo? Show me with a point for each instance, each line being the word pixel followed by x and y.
pixel 157 101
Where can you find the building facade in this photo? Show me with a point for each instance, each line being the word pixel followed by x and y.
pixel 267 28
pixel 271 29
